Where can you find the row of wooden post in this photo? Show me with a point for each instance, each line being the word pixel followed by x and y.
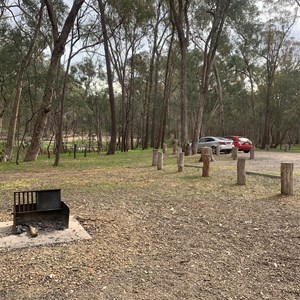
pixel 286 176
pixel 286 172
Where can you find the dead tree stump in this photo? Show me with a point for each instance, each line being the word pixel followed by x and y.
pixel 241 173
pixel 160 160
pixel 287 178
pixel 206 165
pixel 180 161
pixel 234 153
pixel 179 150
pixel 252 152
pixel 286 147
pixel 175 145
pixel 154 157
pixel 165 147
pixel 267 147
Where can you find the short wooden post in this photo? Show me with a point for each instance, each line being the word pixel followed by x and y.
pixel 85 151
pixel 241 173
pixel 154 157
pixel 206 165
pixel 160 160
pixel 175 144
pixel 252 152
pixel 75 150
pixel 179 150
pixel 165 147
pixel 267 147
pixel 286 147
pixel 210 152
pixel 218 151
pixel 234 153
pixel 180 161
pixel 204 151
pixel 287 178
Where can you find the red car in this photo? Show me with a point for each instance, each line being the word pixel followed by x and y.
pixel 242 143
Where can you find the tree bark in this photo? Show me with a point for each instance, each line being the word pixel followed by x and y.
pixel 58 49
pixel 113 134
pixel 179 17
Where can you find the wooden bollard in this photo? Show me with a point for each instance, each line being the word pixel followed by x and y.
pixel 218 151
pixel 286 147
pixel 180 161
pixel 160 160
pixel 175 145
pixel 204 151
pixel 252 152
pixel 154 157
pixel 287 178
pixel 179 150
pixel 206 165
pixel 234 153
pixel 241 173
pixel 267 147
pixel 165 147
pixel 75 150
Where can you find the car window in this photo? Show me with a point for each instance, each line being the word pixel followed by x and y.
pixel 202 140
pixel 244 140
pixel 210 140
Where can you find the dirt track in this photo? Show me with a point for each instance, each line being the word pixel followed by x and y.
pixel 167 235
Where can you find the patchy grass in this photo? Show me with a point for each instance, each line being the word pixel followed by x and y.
pixel 158 234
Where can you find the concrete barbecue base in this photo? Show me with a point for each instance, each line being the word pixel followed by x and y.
pixel 8 240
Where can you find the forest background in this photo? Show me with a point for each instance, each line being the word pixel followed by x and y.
pixel 138 73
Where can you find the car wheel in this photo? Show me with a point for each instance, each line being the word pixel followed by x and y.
pixel 246 151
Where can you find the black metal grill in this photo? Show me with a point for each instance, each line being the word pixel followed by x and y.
pixel 40 207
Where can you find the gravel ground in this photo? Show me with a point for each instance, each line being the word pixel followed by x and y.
pixel 163 235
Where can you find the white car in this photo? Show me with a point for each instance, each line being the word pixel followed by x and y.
pixel 225 145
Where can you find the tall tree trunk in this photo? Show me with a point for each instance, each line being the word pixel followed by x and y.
pixel 59 132
pixel 155 107
pixel 113 135
pixel 179 17
pixel 59 47
pixel 220 97
pixel 267 121
pixel 163 116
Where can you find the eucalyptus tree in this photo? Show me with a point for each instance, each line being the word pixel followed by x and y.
pixel 113 137
pixel 32 37
pixel 59 41
pixel 284 106
pixel 127 22
pixel 179 14
pixel 245 56
pixel 9 58
pixel 91 78
pixel 210 17
pixel 274 36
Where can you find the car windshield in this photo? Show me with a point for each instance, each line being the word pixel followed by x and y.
pixel 244 140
